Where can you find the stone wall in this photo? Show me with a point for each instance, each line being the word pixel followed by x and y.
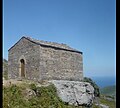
pixel 30 53
pixel 60 64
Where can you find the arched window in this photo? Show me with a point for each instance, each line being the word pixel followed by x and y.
pixel 22 66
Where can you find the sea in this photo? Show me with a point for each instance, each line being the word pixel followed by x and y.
pixel 104 81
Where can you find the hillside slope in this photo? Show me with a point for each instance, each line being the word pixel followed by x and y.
pixel 109 90
pixel 29 94
pixel 5 68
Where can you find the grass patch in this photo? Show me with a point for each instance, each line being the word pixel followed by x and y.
pixel 12 97
pixel 111 104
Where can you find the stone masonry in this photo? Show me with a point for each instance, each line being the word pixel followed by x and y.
pixel 44 61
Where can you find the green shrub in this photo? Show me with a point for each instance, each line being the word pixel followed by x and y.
pixel 96 88
pixel 5 69
pixel 12 97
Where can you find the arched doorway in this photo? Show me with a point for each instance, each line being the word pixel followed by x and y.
pixel 22 66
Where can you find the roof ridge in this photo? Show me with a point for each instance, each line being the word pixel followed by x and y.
pixel 46 41
pixel 62 45
pixel 49 44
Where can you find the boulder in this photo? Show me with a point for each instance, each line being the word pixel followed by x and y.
pixel 29 93
pixel 75 92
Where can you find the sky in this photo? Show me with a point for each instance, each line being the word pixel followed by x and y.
pixel 86 25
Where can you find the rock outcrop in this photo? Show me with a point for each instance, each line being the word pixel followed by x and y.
pixel 75 92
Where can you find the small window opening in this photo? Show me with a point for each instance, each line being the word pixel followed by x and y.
pixel 22 67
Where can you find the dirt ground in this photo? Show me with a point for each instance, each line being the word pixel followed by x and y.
pixel 10 82
pixel 19 82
